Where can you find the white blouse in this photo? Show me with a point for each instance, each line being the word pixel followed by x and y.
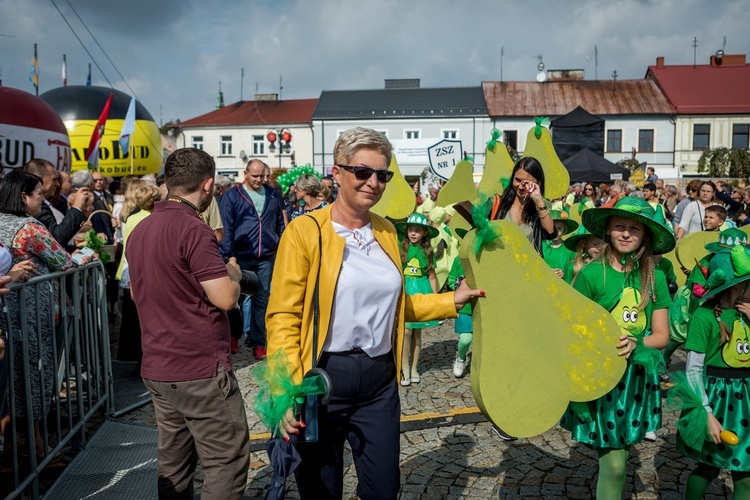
pixel 366 297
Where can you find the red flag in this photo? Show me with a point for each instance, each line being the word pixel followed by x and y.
pixel 96 136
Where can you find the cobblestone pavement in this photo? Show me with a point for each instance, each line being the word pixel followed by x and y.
pixel 449 451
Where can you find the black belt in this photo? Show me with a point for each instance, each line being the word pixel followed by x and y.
pixel 715 371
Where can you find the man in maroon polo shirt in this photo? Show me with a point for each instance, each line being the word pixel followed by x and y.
pixel 182 289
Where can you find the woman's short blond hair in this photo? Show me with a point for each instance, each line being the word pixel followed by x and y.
pixel 353 140
pixel 309 184
pixel 146 195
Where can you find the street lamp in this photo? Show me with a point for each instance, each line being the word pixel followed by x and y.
pixel 284 142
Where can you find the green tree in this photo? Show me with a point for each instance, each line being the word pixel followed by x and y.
pixel 725 162
pixel 629 163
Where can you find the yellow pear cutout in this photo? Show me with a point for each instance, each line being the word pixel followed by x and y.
pixel 690 248
pixel 398 200
pixel 746 228
pixel 556 176
pixel 529 359
pixel 574 214
pixel 460 187
pixel 498 165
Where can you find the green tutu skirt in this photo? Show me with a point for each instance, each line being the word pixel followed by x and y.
pixel 419 285
pixel 730 399
pixel 620 418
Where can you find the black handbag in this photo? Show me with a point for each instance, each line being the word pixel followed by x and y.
pixel 309 413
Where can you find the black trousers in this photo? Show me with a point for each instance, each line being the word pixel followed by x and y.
pixel 364 410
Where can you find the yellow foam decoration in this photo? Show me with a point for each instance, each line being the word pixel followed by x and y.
pixel 398 200
pixel 498 165
pixel 689 248
pixel 556 176
pixel 672 257
pixel 538 343
pixel 746 228
pixel 460 187
pixel 574 215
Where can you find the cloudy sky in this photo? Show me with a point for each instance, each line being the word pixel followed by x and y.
pixel 173 53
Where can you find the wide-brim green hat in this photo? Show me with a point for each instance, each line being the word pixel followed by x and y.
pixel 631 207
pixel 417 219
pixel 728 239
pixel 571 242
pixel 727 269
pixel 559 215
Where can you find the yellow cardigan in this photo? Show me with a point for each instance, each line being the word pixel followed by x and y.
pixel 289 317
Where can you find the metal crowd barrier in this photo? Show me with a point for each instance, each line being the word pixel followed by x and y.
pixel 63 349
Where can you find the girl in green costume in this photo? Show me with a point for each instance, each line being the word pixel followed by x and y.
pixel 418 263
pixel 554 252
pixel 718 355
pixel 586 247
pixel 624 281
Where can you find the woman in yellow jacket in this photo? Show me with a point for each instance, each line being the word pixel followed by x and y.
pixel 362 310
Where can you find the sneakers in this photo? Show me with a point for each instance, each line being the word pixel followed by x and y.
pixel 458 367
pixel 415 378
pixel 650 436
pixel 405 381
pixel 502 435
pixel 259 353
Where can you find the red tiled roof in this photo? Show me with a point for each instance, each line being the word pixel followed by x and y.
pixel 556 98
pixel 705 89
pixel 256 113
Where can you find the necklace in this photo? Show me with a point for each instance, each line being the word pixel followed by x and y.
pixel 183 200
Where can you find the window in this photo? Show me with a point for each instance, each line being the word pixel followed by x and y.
pixel 259 145
pixel 511 139
pixel 225 145
pixel 197 141
pixel 614 141
pixel 701 135
pixel 450 134
pixel 740 135
pixel 646 141
pixel 384 132
pixel 411 134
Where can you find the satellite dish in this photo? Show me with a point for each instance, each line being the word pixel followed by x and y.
pixel 541 77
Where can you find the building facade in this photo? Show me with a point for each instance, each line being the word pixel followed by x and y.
pixel 712 105
pixel 238 132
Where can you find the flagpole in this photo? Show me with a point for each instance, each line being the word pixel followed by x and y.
pixel 65 71
pixel 130 150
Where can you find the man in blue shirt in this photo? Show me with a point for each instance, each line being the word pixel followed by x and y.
pixel 253 223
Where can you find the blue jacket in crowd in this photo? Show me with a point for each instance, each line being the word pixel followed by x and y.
pixel 247 235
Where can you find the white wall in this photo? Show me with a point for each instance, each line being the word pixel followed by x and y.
pixel 242 140
pixel 663 127
pixel 720 136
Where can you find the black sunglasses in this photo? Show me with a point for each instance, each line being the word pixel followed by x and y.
pixel 364 173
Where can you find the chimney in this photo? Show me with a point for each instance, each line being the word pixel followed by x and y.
pixel 660 62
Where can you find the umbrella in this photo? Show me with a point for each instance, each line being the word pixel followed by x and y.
pixel 284 460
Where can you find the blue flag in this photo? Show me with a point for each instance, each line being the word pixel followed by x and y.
pixel 128 127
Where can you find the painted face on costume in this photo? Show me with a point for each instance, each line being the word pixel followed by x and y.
pixel 626 235
pixel 415 234
pixel 631 320
pixel 413 269
pixel 736 352
pixel 711 221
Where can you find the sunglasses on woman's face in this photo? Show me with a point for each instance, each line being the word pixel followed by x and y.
pixel 364 173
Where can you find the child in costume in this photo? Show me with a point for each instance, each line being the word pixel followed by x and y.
pixel 463 325
pixel 717 373
pixel 417 259
pixel 624 281
pixel 444 246
pixel 554 253
pixel 714 218
pixel 586 247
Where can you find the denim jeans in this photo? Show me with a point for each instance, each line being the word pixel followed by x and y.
pixel 263 267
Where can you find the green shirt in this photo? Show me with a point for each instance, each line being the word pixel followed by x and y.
pixel 557 257
pixel 667 268
pixel 620 293
pixel 704 336
pixel 416 262
pixel 257 197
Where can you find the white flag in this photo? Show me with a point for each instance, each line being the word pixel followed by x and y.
pixel 128 127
